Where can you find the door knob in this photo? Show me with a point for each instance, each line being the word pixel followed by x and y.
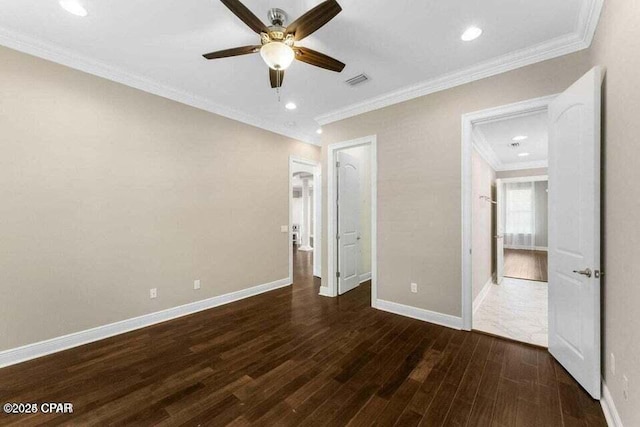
pixel 586 272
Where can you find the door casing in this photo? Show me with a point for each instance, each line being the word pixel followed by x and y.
pixel 330 285
pixel 468 121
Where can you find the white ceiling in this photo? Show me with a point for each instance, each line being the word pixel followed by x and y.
pixel 407 47
pixel 494 141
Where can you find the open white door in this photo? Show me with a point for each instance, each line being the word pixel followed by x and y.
pixel 348 222
pixel 574 230
pixel 499 231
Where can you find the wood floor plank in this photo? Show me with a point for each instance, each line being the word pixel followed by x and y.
pixel 526 264
pixel 291 357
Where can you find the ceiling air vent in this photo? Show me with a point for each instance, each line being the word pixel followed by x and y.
pixel 357 80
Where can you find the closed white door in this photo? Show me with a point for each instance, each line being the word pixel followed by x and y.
pixel 574 230
pixel 499 231
pixel 348 222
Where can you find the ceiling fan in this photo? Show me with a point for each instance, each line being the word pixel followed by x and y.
pixel 277 48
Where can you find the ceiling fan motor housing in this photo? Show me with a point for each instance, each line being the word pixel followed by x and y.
pixel 277 17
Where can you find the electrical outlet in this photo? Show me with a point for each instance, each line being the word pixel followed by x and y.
pixel 625 387
pixel 414 288
pixel 612 363
pixel 153 293
pixel 196 284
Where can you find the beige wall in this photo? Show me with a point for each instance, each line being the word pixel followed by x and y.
pixel 617 47
pixel 107 191
pixel 522 173
pixel 419 183
pixel 483 182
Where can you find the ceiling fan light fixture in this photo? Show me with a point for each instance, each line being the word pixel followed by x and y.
pixel 277 55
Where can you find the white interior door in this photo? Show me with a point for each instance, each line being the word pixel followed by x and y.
pixel 499 231
pixel 574 230
pixel 348 222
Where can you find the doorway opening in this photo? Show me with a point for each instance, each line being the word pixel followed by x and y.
pixel 509 165
pixel 573 124
pixel 304 221
pixel 351 225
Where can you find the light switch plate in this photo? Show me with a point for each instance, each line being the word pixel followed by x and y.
pixel 196 284
pixel 414 288
pixel 284 228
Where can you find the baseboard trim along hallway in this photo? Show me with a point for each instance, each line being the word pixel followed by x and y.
pixel 54 345
pixel 419 314
pixel 609 408
pixel 477 302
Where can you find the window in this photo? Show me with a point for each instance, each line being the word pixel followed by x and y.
pixel 519 208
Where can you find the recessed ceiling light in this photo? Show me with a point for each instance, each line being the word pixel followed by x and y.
pixel 523 154
pixel 290 106
pixel 319 131
pixel 74 7
pixel 520 138
pixel 471 33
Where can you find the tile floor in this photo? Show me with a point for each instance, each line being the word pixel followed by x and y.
pixel 516 309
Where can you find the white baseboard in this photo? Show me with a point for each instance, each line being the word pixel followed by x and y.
pixel 419 313
pixel 530 248
pixel 482 295
pixel 364 277
pixel 325 292
pixel 54 345
pixel 609 408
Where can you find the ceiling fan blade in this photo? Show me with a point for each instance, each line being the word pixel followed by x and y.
pixel 314 19
pixel 276 77
pixel 318 59
pixel 244 50
pixel 245 15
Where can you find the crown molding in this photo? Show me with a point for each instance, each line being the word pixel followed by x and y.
pixel 524 165
pixel 483 148
pixel 580 39
pixel 574 42
pixel 42 49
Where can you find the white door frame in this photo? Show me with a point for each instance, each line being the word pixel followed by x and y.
pixel 468 120
pixel 317 217
pixel 331 289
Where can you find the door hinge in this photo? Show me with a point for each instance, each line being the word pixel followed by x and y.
pixel 338 274
pixel 337 237
pixel 337 164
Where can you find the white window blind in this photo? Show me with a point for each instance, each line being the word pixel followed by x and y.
pixel 520 208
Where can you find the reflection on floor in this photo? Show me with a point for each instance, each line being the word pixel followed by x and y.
pixel 525 264
pixel 302 265
pixel 515 309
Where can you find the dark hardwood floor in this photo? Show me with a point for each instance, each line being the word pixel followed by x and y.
pixel 526 264
pixel 291 357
